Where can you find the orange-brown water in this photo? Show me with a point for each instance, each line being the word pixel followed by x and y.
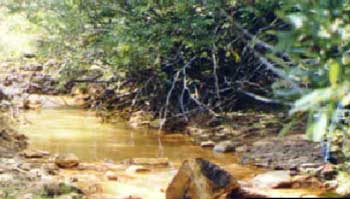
pixel 80 132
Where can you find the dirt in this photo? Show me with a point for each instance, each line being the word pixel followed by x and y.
pixel 290 152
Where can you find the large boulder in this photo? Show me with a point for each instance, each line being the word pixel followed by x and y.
pixel 200 179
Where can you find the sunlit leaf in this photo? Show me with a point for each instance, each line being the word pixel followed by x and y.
pixel 318 129
pixel 334 72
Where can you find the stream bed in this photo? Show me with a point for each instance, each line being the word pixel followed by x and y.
pixel 71 130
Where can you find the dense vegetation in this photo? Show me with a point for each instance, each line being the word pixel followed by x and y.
pixel 179 57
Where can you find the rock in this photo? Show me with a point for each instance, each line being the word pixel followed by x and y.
pixel 242 149
pixel 33 88
pixel 261 143
pixel 200 179
pixel 137 169
pixel 207 144
pixel 2 95
pixel 155 123
pixel 34 154
pixel 29 55
pixel 194 131
pixel 81 100
pixel 148 161
pixel 225 146
pixel 247 193
pixel 273 179
pixel 139 118
pixel 10 141
pixel 28 196
pixel 91 189
pixel 25 166
pixel 67 161
pixel 310 165
pixel 331 185
pixel 328 172
pixel 2 170
pixel 50 169
pixel 262 164
pixel 53 189
pixel 6 178
pixel 111 176
pixel 343 182
pixel 32 68
pixel 301 178
pixel 306 181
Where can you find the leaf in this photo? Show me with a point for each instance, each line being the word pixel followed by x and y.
pixel 314 99
pixel 318 127
pixel 236 56
pixel 334 72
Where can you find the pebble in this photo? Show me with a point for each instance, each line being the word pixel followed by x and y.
pixel 137 169
pixel 225 146
pixel 207 144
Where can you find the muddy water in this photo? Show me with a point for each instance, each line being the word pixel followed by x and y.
pixel 80 132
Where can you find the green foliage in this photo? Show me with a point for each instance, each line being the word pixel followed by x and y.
pixel 151 41
pixel 318 42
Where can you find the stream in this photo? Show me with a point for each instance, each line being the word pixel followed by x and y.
pixel 72 130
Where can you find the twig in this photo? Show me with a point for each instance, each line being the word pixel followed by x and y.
pixel 262 98
pixel 215 66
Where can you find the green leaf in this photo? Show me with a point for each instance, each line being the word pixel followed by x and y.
pixel 318 128
pixel 334 72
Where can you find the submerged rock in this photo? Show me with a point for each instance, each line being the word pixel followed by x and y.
pixel 67 161
pixel 200 179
